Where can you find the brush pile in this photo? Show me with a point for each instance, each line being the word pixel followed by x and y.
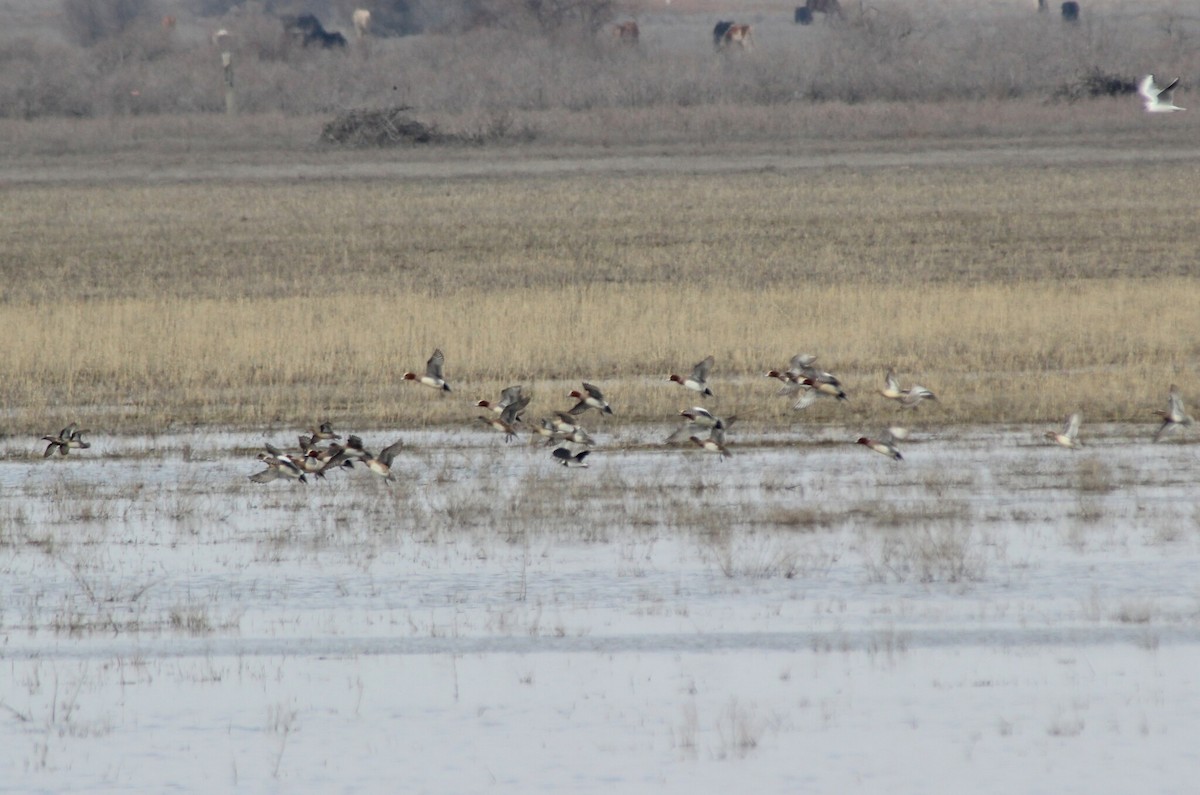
pixel 365 127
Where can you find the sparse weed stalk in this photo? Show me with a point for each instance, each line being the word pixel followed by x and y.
pixel 756 556
pixel 1137 611
pixel 927 552
pixel 885 513
pixel 1089 509
pixel 192 620
pixel 281 720
pixel 13 516
pixel 889 644
pixel 103 602
pixel 739 730
pixel 1066 726
pixel 687 730
pixel 62 715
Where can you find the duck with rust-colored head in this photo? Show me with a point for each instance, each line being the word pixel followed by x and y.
pixel 433 376
pixel 698 380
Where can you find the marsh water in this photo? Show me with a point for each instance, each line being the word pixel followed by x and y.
pixel 148 579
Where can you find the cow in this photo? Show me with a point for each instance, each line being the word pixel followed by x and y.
pixel 830 8
pixel 736 35
pixel 1070 11
pixel 626 32
pixel 307 29
pixel 168 23
pixel 362 22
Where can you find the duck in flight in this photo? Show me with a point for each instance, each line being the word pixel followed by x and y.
pixel 1069 435
pixel 433 372
pixel 698 380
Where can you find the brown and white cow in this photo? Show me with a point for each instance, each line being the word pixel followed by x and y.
pixel 626 32
pixel 737 36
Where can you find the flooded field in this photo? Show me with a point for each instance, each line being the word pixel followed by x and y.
pixel 662 619
pixel 966 193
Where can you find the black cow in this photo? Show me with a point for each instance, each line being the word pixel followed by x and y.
pixel 719 33
pixel 1070 11
pixel 308 30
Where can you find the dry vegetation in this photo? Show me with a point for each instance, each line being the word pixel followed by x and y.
pixel 909 51
pixel 1015 292
pixel 913 231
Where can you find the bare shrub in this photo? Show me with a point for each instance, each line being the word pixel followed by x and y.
pixel 212 8
pixel 39 79
pixel 547 17
pixel 139 87
pixel 216 8
pixel 261 35
pixel 553 16
pixel 1095 82
pixel 495 57
pixel 86 22
pixel 140 43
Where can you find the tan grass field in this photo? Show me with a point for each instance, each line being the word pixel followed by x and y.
pixel 1017 292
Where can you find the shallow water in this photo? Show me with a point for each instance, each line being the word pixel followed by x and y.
pixel 158 554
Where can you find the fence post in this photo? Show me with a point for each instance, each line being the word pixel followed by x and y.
pixel 230 99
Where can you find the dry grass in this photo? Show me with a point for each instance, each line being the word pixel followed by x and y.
pixel 789 229
pixel 1016 293
pixel 994 353
pixel 270 143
